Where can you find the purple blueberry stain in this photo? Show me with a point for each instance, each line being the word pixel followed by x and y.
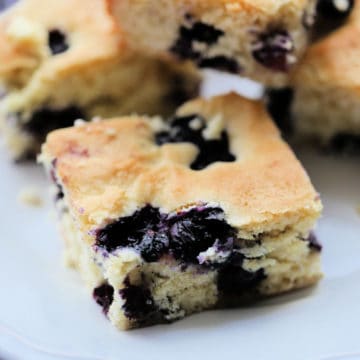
pixel 218 253
pixel 210 150
pixel 195 231
pixel 59 190
pixel 313 242
pixel 138 302
pixel 197 235
pixel 184 235
pixel 273 50
pixel 104 295
pixel 57 42
pixel 143 231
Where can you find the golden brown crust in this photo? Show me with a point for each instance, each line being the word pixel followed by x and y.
pixel 109 169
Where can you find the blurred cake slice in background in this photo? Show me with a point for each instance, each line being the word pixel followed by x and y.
pixel 322 103
pixel 259 39
pixel 64 60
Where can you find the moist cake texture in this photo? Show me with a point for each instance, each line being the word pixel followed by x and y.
pixel 322 102
pixel 161 226
pixel 69 60
pixel 255 38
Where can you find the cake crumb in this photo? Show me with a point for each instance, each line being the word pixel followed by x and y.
pixel 30 196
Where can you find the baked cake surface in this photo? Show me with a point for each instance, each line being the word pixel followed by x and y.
pixel 69 60
pixel 164 219
pixel 255 38
pixel 323 100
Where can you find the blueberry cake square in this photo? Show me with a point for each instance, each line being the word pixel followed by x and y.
pixel 166 218
pixel 260 39
pixel 69 60
pixel 322 102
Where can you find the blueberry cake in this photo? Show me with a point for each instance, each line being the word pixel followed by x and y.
pixel 322 102
pixel 69 60
pixel 207 209
pixel 260 39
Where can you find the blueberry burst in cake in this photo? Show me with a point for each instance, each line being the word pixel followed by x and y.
pixel 166 218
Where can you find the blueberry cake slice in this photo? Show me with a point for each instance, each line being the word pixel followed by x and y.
pixel 322 102
pixel 68 60
pixel 260 39
pixel 167 218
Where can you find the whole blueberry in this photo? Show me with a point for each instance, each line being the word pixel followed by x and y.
pixel 195 231
pixel 57 42
pixel 104 295
pixel 334 9
pixel 272 49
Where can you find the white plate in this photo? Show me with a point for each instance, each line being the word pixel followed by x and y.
pixel 45 312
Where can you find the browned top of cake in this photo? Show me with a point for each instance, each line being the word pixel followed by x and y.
pixel 111 168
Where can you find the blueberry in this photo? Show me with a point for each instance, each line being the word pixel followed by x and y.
pixel 334 9
pixel 153 245
pixel 142 231
pixel 195 231
pixel 198 31
pixel 314 243
pixel 279 106
pixel 181 131
pixel 184 235
pixel 57 42
pixel 59 193
pixel 221 63
pixel 210 151
pixel 45 120
pixel 201 32
pixel 330 15
pixel 234 279
pixel 138 303
pixel 205 34
pixel 184 50
pixel 272 50
pixel 104 295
